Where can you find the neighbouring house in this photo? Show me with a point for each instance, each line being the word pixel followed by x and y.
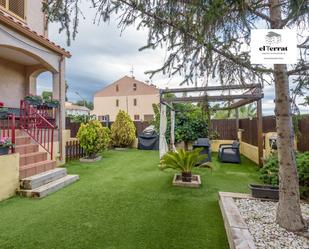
pixel 75 110
pixel 128 94
pixel 38 131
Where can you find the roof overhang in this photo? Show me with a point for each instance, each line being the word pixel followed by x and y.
pixel 26 31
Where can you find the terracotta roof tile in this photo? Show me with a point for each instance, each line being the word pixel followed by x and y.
pixel 23 28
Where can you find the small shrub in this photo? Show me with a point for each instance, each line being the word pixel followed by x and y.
pixel 123 130
pixel 93 137
pixel 269 172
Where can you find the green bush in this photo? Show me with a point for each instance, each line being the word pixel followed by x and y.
pixel 123 130
pixel 270 170
pixel 93 137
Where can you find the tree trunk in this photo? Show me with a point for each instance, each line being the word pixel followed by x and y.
pixel 289 213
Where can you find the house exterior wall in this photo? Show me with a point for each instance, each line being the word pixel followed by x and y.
pixel 35 16
pixel 107 105
pixel 133 96
pixel 12 84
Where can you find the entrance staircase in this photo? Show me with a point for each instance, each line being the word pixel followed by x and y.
pixel 38 174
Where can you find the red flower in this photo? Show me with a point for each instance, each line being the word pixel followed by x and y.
pixel 1 104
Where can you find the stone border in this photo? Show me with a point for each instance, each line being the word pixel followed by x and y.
pixel 121 149
pixel 237 230
pixel 85 160
pixel 192 184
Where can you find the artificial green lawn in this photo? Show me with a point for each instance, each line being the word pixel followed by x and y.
pixel 125 202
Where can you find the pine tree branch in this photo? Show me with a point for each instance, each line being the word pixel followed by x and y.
pixel 259 14
pixel 298 71
pixel 226 55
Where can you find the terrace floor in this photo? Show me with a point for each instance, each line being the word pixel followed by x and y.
pixel 125 202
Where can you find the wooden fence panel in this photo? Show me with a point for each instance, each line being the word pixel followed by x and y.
pixel 226 128
pixel 250 131
pixel 140 126
pixel 73 150
pixel 303 140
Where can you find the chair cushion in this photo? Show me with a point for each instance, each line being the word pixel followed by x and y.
pixel 229 152
pixel 235 144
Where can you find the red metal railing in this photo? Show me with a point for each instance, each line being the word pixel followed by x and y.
pixel 37 126
pixel 7 128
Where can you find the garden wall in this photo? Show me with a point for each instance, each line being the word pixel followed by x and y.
pixel 9 177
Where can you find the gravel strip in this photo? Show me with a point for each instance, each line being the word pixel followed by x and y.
pixel 260 216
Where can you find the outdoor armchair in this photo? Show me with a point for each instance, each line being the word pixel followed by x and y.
pixel 229 153
pixel 205 144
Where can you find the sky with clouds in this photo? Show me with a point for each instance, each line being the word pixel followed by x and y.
pixel 101 54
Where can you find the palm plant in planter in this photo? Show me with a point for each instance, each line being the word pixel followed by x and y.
pixel 33 100
pixel 184 161
pixel 5 145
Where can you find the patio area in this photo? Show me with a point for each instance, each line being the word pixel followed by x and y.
pixel 124 202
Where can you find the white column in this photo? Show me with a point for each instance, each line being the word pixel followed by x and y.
pixel 59 94
pixel 32 84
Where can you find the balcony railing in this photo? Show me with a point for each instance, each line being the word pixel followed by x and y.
pixel 37 126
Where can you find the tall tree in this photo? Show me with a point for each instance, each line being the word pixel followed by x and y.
pixel 210 39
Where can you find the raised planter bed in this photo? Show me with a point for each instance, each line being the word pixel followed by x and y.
pixel 264 191
pixel 195 181
pixel 90 160
pixel 251 223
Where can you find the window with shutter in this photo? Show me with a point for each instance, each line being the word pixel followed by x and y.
pixel 3 3
pixel 17 7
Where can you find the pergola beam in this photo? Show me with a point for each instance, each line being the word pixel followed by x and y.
pixel 195 99
pixel 238 104
pixel 211 88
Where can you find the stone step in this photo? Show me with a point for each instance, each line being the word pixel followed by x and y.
pixel 41 179
pixel 50 188
pixel 36 168
pixel 21 140
pixel 26 148
pixel 30 158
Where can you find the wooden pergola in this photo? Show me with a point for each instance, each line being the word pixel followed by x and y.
pixel 252 93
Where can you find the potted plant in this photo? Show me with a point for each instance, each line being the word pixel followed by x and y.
pixel 123 131
pixel 34 100
pixel 3 112
pixel 51 103
pixel 269 175
pixel 5 145
pixel 184 161
pixel 93 138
